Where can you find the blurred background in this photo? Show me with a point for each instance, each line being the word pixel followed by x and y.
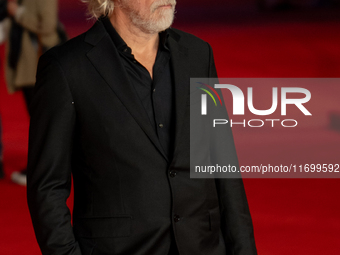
pixel 263 38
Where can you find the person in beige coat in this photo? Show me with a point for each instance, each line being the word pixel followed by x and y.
pixel 39 17
pixel 37 20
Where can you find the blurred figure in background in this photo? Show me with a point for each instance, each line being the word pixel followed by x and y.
pixel 32 27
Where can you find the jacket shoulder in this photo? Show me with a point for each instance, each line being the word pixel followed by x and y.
pixel 69 49
pixel 187 39
pixel 77 47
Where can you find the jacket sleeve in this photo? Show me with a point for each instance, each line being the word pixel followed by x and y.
pixel 236 222
pixel 49 160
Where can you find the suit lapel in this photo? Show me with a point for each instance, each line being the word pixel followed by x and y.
pixel 105 59
pixel 181 74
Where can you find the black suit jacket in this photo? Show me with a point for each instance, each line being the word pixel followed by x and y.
pixel 128 196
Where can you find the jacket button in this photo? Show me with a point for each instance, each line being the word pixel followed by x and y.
pixel 177 218
pixel 173 174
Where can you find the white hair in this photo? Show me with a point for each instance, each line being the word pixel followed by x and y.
pixel 97 8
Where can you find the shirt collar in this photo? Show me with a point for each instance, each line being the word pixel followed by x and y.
pixel 120 43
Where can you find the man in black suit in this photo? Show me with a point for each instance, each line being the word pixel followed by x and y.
pixel 111 108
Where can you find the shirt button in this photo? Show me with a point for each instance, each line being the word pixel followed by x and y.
pixel 173 174
pixel 154 90
pixel 125 50
pixel 161 125
pixel 177 218
pixel 135 61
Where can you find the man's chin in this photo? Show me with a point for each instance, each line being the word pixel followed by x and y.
pixel 166 17
pixel 162 23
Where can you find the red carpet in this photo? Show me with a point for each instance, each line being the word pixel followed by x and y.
pixel 299 217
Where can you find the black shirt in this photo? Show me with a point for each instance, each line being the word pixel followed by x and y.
pixel 157 94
